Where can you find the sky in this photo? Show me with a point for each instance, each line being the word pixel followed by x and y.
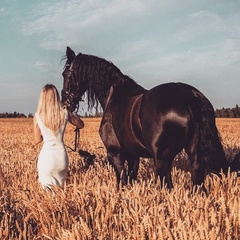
pixel 153 42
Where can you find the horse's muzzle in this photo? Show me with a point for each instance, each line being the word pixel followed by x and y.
pixel 69 100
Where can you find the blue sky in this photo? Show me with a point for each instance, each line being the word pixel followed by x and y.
pixel 192 41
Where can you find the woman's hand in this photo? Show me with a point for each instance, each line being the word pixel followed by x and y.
pixel 75 120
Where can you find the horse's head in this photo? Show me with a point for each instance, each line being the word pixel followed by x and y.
pixel 73 86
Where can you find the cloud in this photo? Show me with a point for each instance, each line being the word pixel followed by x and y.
pixel 203 25
pixel 43 66
pixel 48 69
pixel 125 30
pixel 66 20
pixel 2 12
pixel 129 50
pixel 200 66
pixel 89 23
pixel 148 40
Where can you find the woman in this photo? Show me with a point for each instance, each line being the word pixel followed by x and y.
pixel 50 121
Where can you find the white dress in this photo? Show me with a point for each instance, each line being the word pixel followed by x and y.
pixel 53 159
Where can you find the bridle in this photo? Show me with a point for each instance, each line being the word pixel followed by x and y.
pixel 71 97
pixel 72 102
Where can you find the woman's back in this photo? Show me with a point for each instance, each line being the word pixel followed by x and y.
pixel 53 160
pixel 49 137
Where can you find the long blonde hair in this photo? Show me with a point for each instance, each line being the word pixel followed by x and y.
pixel 50 108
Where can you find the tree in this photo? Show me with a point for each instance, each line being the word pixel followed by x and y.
pixel 228 112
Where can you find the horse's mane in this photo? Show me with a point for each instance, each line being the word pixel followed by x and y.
pixel 100 74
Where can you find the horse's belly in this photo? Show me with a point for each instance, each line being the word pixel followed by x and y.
pixel 136 148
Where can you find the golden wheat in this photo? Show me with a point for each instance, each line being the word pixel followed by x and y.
pixel 90 207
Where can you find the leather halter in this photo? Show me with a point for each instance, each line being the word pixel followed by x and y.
pixel 72 99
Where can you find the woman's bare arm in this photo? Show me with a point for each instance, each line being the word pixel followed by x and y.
pixel 37 133
pixel 75 120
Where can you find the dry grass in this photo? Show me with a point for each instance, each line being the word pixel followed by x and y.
pixel 89 207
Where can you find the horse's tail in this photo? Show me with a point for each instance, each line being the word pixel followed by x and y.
pixel 209 145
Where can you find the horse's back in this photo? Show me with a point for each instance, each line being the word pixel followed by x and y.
pixel 169 100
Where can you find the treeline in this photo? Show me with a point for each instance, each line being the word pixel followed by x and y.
pixel 30 115
pixel 228 112
pixel 219 113
pixel 13 115
pixel 91 115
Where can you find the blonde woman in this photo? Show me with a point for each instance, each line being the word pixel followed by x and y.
pixel 50 121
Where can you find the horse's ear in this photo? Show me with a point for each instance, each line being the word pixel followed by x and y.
pixel 70 55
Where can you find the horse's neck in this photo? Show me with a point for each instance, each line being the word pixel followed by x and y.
pixel 109 97
pixel 118 81
pixel 103 98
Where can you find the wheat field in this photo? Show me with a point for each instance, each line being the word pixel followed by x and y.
pixel 90 207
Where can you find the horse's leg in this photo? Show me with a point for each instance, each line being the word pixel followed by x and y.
pixel 166 146
pixel 198 169
pixel 169 143
pixel 198 174
pixel 113 147
pixel 163 164
pixel 133 166
pixel 198 165
pixel 117 163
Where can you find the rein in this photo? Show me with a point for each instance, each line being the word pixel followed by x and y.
pixel 77 135
pixel 76 142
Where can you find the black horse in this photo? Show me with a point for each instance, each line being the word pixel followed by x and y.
pixel 156 123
